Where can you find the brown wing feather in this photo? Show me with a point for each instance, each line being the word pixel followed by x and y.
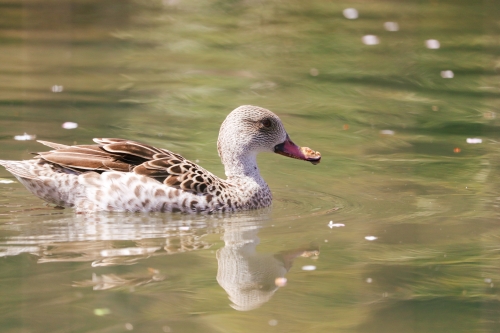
pixel 124 155
pixel 130 148
pixel 52 144
pixel 83 161
pixel 82 158
pixel 180 173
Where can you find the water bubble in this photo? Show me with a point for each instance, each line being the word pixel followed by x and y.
pixel 370 238
pixel 370 40
pixel 432 44
pixel 350 13
pixel 129 326
pixel 447 74
pixel 369 280
pixel 391 26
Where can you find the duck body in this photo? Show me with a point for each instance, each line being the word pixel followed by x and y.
pixel 124 175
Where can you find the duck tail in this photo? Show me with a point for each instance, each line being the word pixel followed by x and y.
pixel 53 145
pixel 19 169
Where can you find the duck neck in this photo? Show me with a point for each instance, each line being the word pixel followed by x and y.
pixel 242 166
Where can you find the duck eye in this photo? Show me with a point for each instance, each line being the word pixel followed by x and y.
pixel 266 123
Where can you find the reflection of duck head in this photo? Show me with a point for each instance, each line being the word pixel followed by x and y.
pixel 251 278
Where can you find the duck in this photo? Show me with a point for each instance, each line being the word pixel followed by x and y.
pixel 120 175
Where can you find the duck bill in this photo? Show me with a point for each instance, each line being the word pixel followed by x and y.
pixel 290 149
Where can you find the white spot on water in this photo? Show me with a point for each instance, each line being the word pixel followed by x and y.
pixel 369 280
pixel 370 40
pixel 387 132
pixel 57 89
pixel 128 251
pixel 447 74
pixel 487 280
pixel 6 181
pixel 370 238
pixel 335 225
pixel 280 281
pixel 391 26
pixel 129 326
pixel 102 312
pixel 314 72
pixel 69 125
pixel 25 137
pixel 350 13
pixel 308 268
pixel 474 140
pixel 432 44
pixel 273 322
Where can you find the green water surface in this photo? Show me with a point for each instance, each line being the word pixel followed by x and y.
pixel 396 230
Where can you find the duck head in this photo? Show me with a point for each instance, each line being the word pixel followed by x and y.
pixel 249 130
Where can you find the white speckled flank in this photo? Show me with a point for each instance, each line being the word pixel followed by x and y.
pixel 123 175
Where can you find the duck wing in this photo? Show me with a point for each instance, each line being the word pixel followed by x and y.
pixel 111 154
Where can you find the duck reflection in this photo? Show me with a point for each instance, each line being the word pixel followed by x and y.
pixel 106 239
pixel 109 281
pixel 249 278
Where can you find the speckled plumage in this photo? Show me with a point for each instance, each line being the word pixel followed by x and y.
pixel 124 175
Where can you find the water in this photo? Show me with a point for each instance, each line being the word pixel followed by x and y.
pixel 413 243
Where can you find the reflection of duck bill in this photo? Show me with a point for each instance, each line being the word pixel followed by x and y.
pixel 250 278
pixel 288 256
